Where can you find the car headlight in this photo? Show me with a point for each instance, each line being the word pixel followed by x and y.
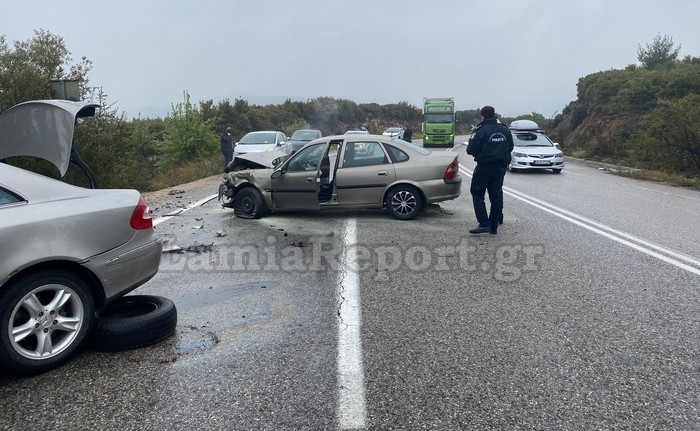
pixel 519 154
pixel 559 154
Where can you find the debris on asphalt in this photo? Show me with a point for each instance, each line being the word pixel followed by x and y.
pixel 174 213
pixel 221 233
pixel 176 192
pixel 200 248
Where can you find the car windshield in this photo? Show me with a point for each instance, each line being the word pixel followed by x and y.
pixel 439 118
pixel 258 138
pixel 393 129
pixel 531 140
pixel 305 135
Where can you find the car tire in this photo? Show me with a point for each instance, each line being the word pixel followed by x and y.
pixel 132 322
pixel 248 203
pixel 46 318
pixel 404 202
pixel 556 171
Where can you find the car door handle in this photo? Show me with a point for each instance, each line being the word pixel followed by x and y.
pixel 310 180
pixel 382 173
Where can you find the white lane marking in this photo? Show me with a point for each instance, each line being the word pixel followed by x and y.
pixel 671 256
pixel 352 412
pixel 199 203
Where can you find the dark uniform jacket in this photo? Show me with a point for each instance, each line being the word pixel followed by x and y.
pixel 491 143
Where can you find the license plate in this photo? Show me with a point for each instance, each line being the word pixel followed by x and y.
pixel 541 162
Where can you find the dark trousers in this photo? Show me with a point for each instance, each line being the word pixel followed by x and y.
pixel 488 178
pixel 228 155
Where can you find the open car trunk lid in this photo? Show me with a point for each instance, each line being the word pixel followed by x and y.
pixel 42 129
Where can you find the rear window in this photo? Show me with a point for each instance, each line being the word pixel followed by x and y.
pixel 412 146
pixel 397 155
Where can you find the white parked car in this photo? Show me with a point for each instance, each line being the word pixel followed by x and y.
pixel 394 132
pixel 533 149
pixel 254 142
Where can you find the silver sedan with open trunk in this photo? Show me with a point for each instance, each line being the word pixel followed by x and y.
pixel 66 251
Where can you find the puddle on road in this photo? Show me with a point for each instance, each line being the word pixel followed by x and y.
pixel 193 340
pixel 217 295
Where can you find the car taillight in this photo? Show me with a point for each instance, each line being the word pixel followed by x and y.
pixel 452 170
pixel 141 217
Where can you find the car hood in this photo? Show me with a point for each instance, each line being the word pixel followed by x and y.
pixel 259 160
pixel 43 129
pixel 545 151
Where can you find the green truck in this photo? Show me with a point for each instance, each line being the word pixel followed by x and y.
pixel 438 122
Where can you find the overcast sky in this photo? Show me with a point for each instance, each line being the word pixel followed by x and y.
pixel 517 55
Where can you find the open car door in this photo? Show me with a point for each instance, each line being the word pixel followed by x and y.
pixel 296 184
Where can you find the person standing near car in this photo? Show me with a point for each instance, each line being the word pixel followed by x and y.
pixel 408 134
pixel 227 145
pixel 491 144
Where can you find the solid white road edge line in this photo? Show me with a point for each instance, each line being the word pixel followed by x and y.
pixel 199 203
pixel 352 413
pixel 613 234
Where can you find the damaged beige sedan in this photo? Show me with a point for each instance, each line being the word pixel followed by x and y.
pixel 344 171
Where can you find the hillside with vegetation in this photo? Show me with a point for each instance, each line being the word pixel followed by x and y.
pixel 645 117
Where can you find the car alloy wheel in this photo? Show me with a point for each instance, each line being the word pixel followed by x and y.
pixel 248 203
pixel 46 317
pixel 404 202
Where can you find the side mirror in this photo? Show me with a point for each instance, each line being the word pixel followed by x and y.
pixel 276 174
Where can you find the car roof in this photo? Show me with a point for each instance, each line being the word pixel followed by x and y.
pixel 43 129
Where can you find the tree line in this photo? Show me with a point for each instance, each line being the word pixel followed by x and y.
pixel 640 115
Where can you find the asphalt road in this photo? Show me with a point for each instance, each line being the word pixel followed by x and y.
pixel 582 313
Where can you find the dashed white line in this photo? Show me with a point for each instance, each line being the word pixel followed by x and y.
pixel 352 412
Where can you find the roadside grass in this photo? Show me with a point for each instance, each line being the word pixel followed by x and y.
pixel 662 177
pixel 187 172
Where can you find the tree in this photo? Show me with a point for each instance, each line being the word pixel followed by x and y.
pixel 659 53
pixel 27 70
pixel 671 135
pixel 187 136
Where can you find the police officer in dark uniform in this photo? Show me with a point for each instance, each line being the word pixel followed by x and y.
pixel 490 144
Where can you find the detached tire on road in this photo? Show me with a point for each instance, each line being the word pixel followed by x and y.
pixel 132 322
